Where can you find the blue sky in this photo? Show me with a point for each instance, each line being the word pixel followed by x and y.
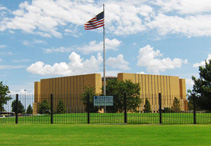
pixel 46 38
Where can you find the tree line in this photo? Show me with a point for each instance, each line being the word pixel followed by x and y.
pixel 201 92
pixel 116 89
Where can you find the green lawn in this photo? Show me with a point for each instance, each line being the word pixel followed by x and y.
pixel 118 118
pixel 104 135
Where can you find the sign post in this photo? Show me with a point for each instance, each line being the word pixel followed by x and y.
pixel 103 101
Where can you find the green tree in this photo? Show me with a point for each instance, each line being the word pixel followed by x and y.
pixel 191 99
pixel 29 110
pixel 60 109
pixel 147 106
pixel 117 88
pixel 20 107
pixel 167 110
pixel 91 91
pixel 176 105
pixel 202 87
pixel 44 107
pixel 4 97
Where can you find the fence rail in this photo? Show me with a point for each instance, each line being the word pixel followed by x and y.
pixel 68 110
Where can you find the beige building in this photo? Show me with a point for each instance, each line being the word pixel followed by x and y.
pixel 169 87
pixel 70 89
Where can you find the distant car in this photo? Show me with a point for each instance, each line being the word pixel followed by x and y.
pixel 6 114
pixel 1 116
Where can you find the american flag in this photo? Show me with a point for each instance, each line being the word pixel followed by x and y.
pixel 96 22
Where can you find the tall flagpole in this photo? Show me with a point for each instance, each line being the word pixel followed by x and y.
pixel 104 79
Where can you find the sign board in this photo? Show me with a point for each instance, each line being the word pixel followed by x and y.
pixel 103 100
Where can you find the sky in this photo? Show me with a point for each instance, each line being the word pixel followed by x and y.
pixel 46 38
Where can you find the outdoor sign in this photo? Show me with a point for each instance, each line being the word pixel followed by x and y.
pixel 103 100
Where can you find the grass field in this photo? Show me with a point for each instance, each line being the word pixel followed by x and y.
pixel 104 135
pixel 132 118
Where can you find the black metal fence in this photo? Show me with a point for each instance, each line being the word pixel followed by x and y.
pixel 66 109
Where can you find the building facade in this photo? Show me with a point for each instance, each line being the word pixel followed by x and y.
pixel 70 89
pixel 170 87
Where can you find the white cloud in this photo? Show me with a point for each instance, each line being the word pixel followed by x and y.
pixel 189 83
pixel 189 17
pixel 3 11
pixel 93 46
pixel 6 53
pixel 141 72
pixel 146 10
pixel 151 59
pixel 3 8
pixel 11 67
pixel 60 49
pixel 185 6
pixel 123 17
pixel 196 65
pixel 190 26
pixel 26 43
pixel 118 62
pixel 21 91
pixel 77 65
pixel 27 88
pixel 21 60
pixel 74 31
pixel 34 42
pixel 0 59
pixel 109 73
pixel 40 17
pixel 3 46
pixel 44 17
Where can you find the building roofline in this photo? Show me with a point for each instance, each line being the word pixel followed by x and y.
pixel 149 74
pixel 71 76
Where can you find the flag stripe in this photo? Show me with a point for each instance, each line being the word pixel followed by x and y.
pixel 93 27
pixel 99 24
pixel 96 22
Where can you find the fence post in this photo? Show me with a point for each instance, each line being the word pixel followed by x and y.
pixel 194 109
pixel 88 107
pixel 16 111
pixel 51 108
pixel 125 108
pixel 160 108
